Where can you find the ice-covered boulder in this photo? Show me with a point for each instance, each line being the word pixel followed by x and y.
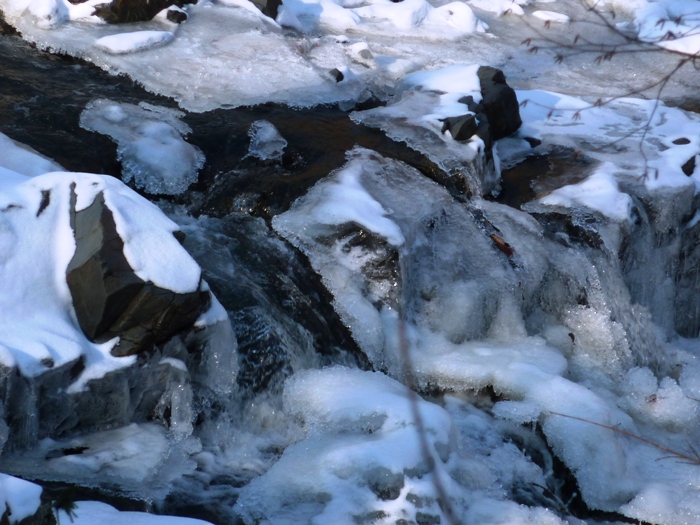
pixel 92 273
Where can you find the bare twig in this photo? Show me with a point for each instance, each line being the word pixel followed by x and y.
pixel 413 398
pixel 693 459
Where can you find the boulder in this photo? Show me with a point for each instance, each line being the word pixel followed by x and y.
pixel 110 300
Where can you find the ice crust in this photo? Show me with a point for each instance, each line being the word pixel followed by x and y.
pixel 38 329
pixel 415 115
pixel 122 43
pixel 207 63
pixel 150 145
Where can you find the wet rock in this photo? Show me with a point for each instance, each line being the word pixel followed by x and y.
pixel 461 128
pixel 268 7
pixel 110 300
pixel 176 15
pixel 689 166
pixel 337 74
pixel 129 11
pixel 498 103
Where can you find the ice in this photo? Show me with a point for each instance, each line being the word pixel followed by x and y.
pixel 266 143
pixel 229 54
pixel 416 113
pixel 150 144
pixel 122 43
pixel 20 498
pixel 92 512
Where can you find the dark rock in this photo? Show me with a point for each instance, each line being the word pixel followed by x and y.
pixel 385 484
pixel 689 167
pixel 681 141
pixel 498 102
pixel 110 300
pixel 461 128
pixel 427 519
pixel 337 75
pixel 176 16
pixel 533 141
pixel 128 11
pixel 277 313
pixel 268 7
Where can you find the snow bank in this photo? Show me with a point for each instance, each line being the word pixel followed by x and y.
pixel 92 512
pixel 123 43
pixel 599 192
pixel 642 140
pixel 38 330
pixel 21 498
pixel 150 144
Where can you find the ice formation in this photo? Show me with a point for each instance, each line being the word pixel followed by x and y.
pixel 150 145
pixel 266 143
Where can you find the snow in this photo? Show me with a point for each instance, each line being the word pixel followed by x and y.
pixel 599 192
pixel 38 329
pixel 91 512
pixel 345 200
pixel 150 144
pixel 551 16
pixel 360 456
pixel 21 498
pixel 634 138
pixel 671 24
pixel 123 43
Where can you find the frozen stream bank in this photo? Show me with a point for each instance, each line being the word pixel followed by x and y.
pixel 334 255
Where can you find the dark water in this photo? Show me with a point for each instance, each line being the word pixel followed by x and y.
pixel 42 96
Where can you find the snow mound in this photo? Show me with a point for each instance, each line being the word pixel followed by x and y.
pixel 37 330
pixel 123 43
pixel 92 512
pixel 21 498
pixel 150 144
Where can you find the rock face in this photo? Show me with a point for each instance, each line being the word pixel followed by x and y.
pixel 110 300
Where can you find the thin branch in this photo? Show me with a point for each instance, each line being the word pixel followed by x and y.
pixel 672 454
pixel 420 426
